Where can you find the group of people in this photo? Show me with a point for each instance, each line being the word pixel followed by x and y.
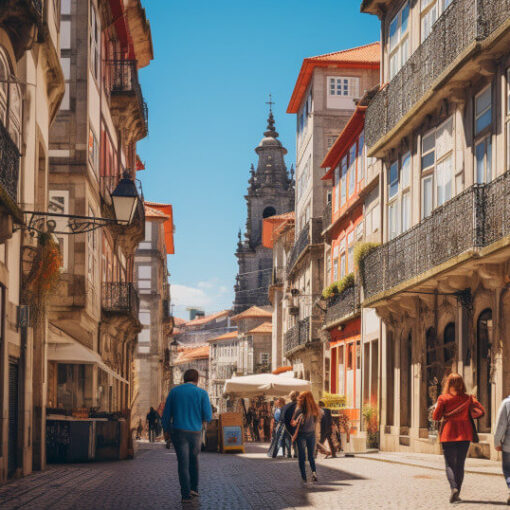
pixel 188 407
pixel 258 421
pixel 153 425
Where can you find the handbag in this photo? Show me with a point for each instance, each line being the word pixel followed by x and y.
pixel 475 412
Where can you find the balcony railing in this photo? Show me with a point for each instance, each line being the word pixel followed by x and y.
pixel 124 79
pixel 9 164
pixel 343 305
pixel 297 335
pixel 120 297
pixel 310 234
pixel 474 219
pixel 464 22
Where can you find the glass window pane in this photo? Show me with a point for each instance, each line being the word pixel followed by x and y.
pixel 405 177
pixel 405 18
pixel 406 211
pixel 393 180
pixel 394 32
pixel 483 101
pixel 483 121
pixel 427 197
pixel 429 142
pixel 444 181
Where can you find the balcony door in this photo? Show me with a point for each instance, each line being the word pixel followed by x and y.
pixel 483 367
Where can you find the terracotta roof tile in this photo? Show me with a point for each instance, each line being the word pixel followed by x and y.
pixel 206 319
pixel 264 328
pixel 225 336
pixel 253 312
pixel 192 353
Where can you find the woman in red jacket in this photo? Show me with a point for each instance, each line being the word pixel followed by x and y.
pixel 456 409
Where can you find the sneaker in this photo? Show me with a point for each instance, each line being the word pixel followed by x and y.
pixel 194 494
pixel 454 496
pixel 315 478
pixel 186 501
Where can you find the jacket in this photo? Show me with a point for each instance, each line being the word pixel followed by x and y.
pixel 286 416
pixel 459 426
pixel 326 423
pixel 502 432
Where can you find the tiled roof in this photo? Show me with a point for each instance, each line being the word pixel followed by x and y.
pixel 273 226
pixel 253 312
pixel 150 212
pixel 192 353
pixel 264 328
pixel 164 211
pixel 363 57
pixel 281 370
pixel 225 336
pixel 179 322
pixel 208 318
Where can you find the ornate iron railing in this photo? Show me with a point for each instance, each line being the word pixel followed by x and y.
pixel 37 7
pixel 343 305
pixel 310 234
pixel 476 218
pixel 120 297
pixel 124 79
pixel 9 164
pixel 297 335
pixel 463 23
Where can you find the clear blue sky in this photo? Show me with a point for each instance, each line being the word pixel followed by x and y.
pixel 214 65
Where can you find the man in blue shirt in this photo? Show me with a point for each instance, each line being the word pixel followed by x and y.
pixel 187 408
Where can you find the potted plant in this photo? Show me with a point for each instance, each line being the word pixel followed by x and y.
pixel 370 415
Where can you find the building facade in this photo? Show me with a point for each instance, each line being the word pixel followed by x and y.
pixel 270 192
pixel 31 89
pixel 439 281
pixel 152 360
pixel 323 101
pixel 192 357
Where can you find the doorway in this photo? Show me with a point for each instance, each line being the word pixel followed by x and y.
pixel 483 367
pixel 12 447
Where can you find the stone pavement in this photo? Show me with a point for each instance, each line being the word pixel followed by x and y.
pixel 245 482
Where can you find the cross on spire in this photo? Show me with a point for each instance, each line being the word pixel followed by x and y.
pixel 270 102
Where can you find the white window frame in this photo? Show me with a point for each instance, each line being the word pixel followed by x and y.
pixel 351 170
pixel 399 49
pixel 483 137
pixel 399 218
pixel 344 86
pixel 431 11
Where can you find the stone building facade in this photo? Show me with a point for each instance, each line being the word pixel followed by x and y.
pixel 152 360
pixel 440 279
pixel 192 357
pixel 31 89
pixel 270 192
pixel 323 101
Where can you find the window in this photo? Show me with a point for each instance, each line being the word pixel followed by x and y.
pixel 430 12
pixel 340 86
pixel 65 35
pixel 437 167
pixel 399 197
pixel 343 181
pixel 342 259
pixel 144 317
pixel 144 336
pixel 328 266
pixel 65 7
pixel 4 86
pixel 393 224
pixel 331 141
pixel 304 177
pixel 94 42
pixel 66 68
pixel 264 358
pixel 393 180
pixel 337 188
pixel 352 170
pixel 93 151
pixel 483 110
pixel 350 253
pixel 483 151
pixel 335 263
pixel 92 251
pixel 144 277
pixel 399 40
pixel 361 156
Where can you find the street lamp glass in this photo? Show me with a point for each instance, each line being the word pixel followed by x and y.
pixel 125 199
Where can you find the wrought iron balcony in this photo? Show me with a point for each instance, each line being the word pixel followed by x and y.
pixel 343 305
pixel 225 370
pixel 125 84
pixel 474 219
pixel 9 164
pixel 297 335
pixel 310 234
pixel 462 24
pixel 120 298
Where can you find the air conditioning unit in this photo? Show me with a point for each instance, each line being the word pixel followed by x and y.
pixel 293 310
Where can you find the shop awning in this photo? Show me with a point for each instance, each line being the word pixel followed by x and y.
pixel 264 384
pixel 64 349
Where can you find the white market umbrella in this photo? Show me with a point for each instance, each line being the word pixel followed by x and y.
pixel 270 385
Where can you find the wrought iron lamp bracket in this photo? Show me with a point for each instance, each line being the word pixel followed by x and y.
pixel 62 224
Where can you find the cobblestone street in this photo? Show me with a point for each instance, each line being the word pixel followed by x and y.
pixel 249 481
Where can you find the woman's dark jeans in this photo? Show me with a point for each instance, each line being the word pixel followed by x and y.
pixel 306 443
pixel 455 453
pixel 187 448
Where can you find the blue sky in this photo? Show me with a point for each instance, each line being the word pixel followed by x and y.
pixel 214 66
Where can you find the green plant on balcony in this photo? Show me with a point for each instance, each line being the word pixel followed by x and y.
pixel 361 251
pixel 339 286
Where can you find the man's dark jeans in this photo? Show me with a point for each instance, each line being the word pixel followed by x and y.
pixel 187 448
pixel 455 453
pixel 506 467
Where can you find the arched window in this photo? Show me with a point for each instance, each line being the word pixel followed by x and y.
pixel 268 212
pixel 15 114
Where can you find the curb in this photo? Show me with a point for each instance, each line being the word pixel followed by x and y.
pixel 434 468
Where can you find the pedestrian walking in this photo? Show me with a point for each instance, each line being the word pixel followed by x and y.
pixel 327 430
pixel 305 418
pixel 256 424
pixel 456 411
pixel 502 439
pixel 277 429
pixel 139 429
pixel 286 417
pixel 152 419
pixel 186 410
